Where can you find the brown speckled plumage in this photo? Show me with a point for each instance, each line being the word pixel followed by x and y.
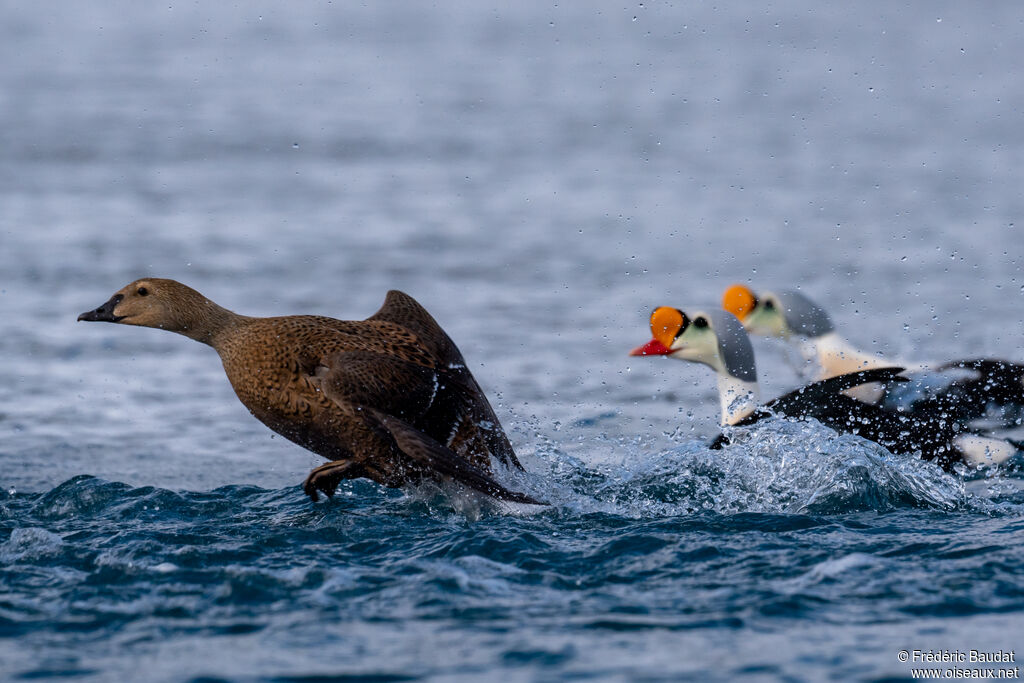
pixel 388 398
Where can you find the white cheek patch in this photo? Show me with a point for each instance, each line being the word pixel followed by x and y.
pixel 981 450
pixel 698 350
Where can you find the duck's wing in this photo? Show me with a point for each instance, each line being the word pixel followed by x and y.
pixel 825 396
pixel 476 420
pixel 401 309
pixel 994 381
pixel 934 436
pixel 396 386
pixel 431 455
pixel 825 401
pixel 417 407
pixel 991 367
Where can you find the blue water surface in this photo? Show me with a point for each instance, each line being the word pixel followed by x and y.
pixel 540 176
pixel 772 558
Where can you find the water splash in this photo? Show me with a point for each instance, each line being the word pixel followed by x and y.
pixel 776 466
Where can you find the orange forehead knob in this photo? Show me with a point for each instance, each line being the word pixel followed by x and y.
pixel 739 301
pixel 666 323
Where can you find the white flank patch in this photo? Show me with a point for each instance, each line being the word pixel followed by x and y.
pixel 982 450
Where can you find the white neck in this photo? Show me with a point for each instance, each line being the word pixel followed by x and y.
pixel 835 356
pixel 738 398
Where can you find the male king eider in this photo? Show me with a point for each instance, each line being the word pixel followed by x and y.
pixel 388 398
pixel 959 390
pixel 717 339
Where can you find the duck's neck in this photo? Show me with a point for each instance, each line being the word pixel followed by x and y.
pixel 213 325
pixel 738 398
pixel 835 356
pixel 201 319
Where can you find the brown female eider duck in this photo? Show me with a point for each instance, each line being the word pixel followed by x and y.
pixel 388 398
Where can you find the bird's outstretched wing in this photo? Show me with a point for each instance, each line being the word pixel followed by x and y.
pixel 826 395
pixel 824 400
pixel 401 309
pixel 400 407
pixel 995 382
pixel 431 455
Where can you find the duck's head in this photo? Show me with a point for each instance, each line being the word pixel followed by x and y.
pixel 777 314
pixel 154 302
pixel 714 338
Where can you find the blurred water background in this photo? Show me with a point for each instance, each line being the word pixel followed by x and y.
pixel 539 176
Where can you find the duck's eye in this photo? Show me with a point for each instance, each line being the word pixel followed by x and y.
pixel 769 305
pixel 142 291
pixel 700 321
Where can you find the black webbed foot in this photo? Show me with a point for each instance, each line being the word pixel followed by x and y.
pixel 326 479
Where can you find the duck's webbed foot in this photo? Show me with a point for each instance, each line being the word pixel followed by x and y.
pixel 327 477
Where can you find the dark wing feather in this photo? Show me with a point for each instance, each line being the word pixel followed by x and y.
pixel 401 309
pixel 434 402
pixel 999 383
pixel 432 456
pixel 461 387
pixel 932 435
pixel 390 384
pixel 825 395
